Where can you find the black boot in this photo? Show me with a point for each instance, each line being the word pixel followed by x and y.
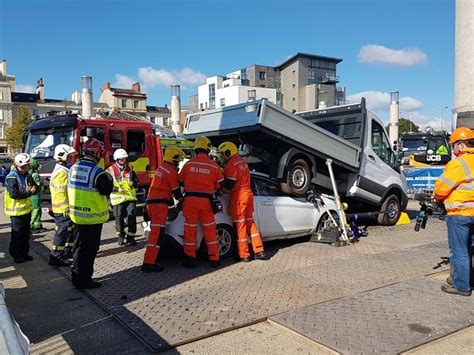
pixel 152 267
pixel 189 262
pixel 89 285
pixel 131 240
pixel 215 263
pixel 53 261
pixel 261 256
pixel 121 240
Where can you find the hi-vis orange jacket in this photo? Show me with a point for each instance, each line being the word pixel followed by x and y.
pixel 455 187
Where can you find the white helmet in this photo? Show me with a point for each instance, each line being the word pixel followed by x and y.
pixel 120 154
pixel 22 159
pixel 62 151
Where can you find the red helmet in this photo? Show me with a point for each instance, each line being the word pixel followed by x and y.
pixel 93 147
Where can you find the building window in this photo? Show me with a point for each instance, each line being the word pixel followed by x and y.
pixel 294 99
pixel 135 104
pixel 223 102
pixel 1 95
pixel 262 75
pixel 1 131
pixel 124 103
pixel 166 121
pixel 252 95
pixel 201 106
pixel 311 76
pixel 152 119
pixel 1 115
pixel 212 95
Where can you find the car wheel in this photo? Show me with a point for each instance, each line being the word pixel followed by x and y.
pixel 226 241
pixel 298 178
pixel 326 222
pixel 391 211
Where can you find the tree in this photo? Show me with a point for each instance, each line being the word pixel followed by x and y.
pixel 14 134
pixel 405 125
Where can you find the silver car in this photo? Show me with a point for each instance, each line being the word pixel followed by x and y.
pixel 278 216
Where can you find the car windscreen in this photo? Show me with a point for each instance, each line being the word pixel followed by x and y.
pixel 41 142
pixel 414 144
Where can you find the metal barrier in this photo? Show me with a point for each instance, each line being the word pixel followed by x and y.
pixel 12 339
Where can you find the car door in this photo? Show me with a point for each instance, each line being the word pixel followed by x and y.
pixel 376 173
pixel 278 215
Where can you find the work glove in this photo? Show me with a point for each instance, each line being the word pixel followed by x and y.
pixel 66 213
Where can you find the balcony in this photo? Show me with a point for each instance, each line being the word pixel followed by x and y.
pixel 329 78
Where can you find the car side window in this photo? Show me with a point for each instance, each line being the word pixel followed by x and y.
pixel 264 188
pixel 380 143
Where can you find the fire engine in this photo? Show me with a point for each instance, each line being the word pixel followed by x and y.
pixel 143 140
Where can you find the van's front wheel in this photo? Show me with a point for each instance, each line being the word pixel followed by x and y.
pixel 391 211
pixel 298 178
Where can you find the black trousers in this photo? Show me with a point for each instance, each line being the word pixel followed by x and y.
pixel 126 210
pixel 84 252
pixel 63 240
pixel 20 241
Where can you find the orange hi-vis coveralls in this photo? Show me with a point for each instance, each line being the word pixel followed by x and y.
pixel 241 206
pixel 164 184
pixel 455 187
pixel 200 175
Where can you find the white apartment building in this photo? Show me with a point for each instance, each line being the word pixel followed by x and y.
pixel 224 91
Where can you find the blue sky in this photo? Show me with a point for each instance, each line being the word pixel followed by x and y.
pixel 386 45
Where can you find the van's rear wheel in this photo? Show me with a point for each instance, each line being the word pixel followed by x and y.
pixel 391 211
pixel 298 178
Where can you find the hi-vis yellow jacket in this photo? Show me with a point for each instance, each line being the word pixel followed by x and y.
pixel 455 187
pixel 123 180
pixel 58 188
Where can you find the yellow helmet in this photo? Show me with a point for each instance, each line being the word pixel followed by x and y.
pixel 227 149
pixel 203 142
pixel 173 155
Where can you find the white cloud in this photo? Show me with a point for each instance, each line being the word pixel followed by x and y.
pixel 123 81
pixel 25 88
pixel 410 104
pixel 151 78
pixel 380 101
pixel 376 54
pixel 161 77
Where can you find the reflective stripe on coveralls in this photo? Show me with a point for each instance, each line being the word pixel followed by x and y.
pixel 161 190
pixel 241 206
pixel 201 175
pixel 455 186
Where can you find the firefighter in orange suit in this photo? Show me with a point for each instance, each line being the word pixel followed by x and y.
pixel 237 182
pixel 455 188
pixel 163 187
pixel 201 177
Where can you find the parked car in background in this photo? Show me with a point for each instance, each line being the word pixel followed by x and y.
pixel 277 215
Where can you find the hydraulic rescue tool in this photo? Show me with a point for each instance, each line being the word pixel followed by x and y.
pixel 428 207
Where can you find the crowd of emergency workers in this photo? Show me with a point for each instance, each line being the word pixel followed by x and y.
pixel 81 193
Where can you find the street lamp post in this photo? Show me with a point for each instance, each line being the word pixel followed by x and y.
pixel 442 119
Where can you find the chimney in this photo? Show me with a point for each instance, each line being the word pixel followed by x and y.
pixel 176 109
pixel 136 87
pixel 87 104
pixel 3 67
pixel 106 86
pixel 394 116
pixel 40 89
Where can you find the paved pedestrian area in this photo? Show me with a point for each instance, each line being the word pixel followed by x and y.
pixel 371 297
